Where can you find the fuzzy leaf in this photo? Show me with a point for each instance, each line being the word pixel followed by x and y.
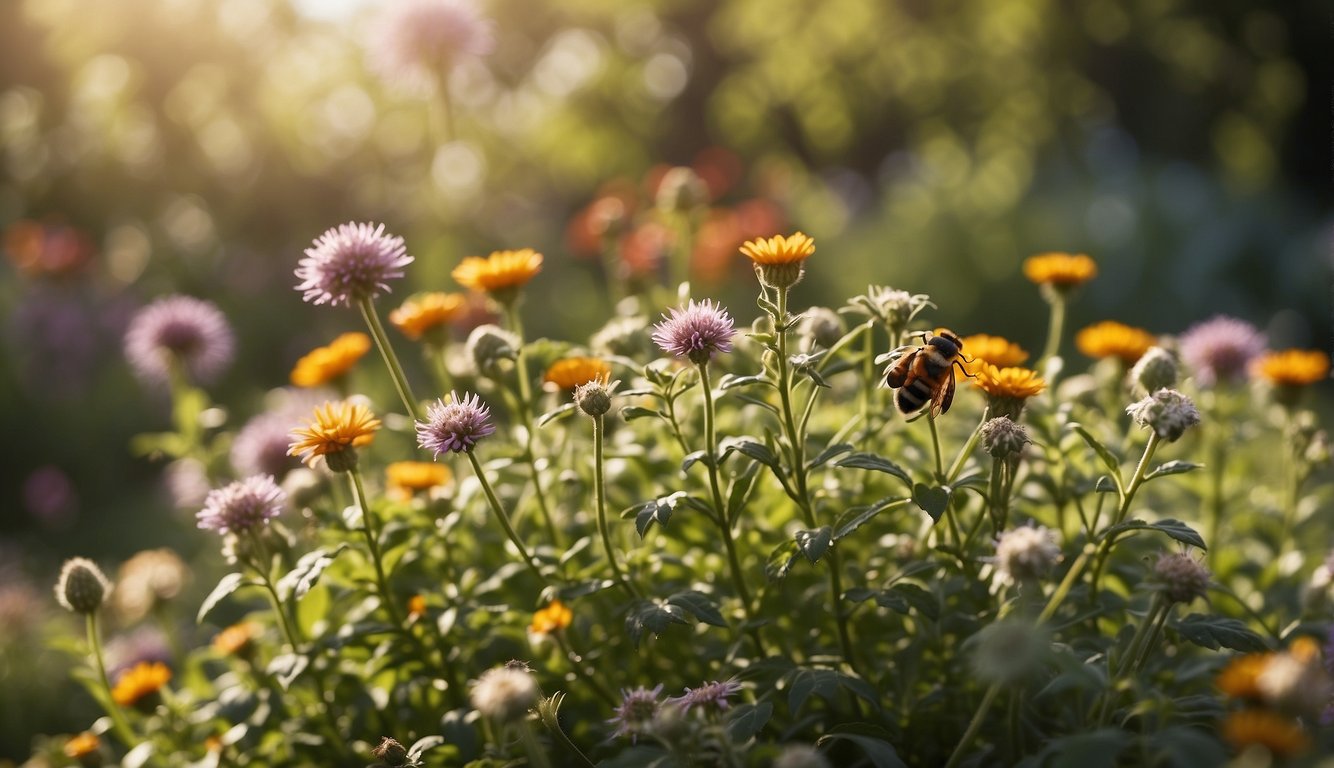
pixel 1173 528
pixel 813 544
pixel 297 582
pixel 731 380
pixel 700 605
pixel 932 500
pixel 286 667
pixel 803 682
pixel 226 585
pixel 863 460
pixel 741 489
pixel 693 457
pixel 552 415
pixel 1213 632
pixel 421 745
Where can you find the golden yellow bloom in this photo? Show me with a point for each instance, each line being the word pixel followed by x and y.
pixel 1282 736
pixel 213 743
pixel 1010 382
pixel 1293 367
pixel 1240 678
pixel 142 680
pixel 237 639
pixel 324 364
pixel 416 606
pixel 572 371
pixel 997 350
pixel 334 428
pixel 556 616
pixel 403 478
pixel 501 271
pixel 1060 270
pixel 779 250
pixel 83 745
pixel 426 312
pixel 1112 339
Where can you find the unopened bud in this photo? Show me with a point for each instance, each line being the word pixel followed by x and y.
pixel 390 752
pixel 593 397
pixel 82 586
pixel 1156 369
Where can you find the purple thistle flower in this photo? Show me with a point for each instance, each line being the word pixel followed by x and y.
pixel 242 506
pixel 636 712
pixel 191 332
pixel 1221 349
pixel 351 262
pixel 260 447
pixel 696 332
pixel 420 40
pixel 710 695
pixel 146 643
pixel 454 426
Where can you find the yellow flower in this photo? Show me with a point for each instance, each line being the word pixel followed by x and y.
pixel 572 371
pixel 426 312
pixel 324 364
pixel 554 617
pixel 997 350
pixel 83 745
pixel 403 478
pixel 1240 678
pixel 1060 270
pixel 502 272
pixel 1293 367
pixel 1282 736
pixel 1112 339
pixel 779 250
pixel 416 606
pixel 142 680
pixel 1010 382
pixel 335 427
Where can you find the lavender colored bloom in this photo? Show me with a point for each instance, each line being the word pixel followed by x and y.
pixel 454 426
pixel 711 695
pixel 1221 349
pixel 636 712
pixel 242 506
pixel 260 447
pixel 696 332
pixel 351 262
pixel 182 330
pixel 418 41
pixel 147 643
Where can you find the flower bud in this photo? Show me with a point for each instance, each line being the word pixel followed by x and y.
pixel 1156 369
pixel 1003 438
pixel 820 328
pixel 1026 553
pixel 82 586
pixel 593 397
pixel 490 344
pixel 391 753
pixel 1167 412
pixel 681 191
pixel 1182 578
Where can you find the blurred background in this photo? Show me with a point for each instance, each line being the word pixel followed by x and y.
pixel 157 146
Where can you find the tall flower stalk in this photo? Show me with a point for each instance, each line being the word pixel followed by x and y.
pixel 594 399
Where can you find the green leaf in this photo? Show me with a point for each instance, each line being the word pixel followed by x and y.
pixel 750 447
pixel 781 560
pixel 700 605
pixel 803 682
pixel 756 401
pixel 550 416
pixel 742 487
pixel 1173 468
pixel 748 720
pixel 1096 749
pixel 837 449
pixel 632 412
pixel 226 585
pixel 879 751
pixel 421 745
pixel 693 457
pixel 297 582
pixel 1109 459
pixel 1214 632
pixel 732 380
pixel 863 460
pixel 904 598
pixel 813 544
pixel 932 500
pixel 1173 528
pixel 286 667
pixel 657 511
pixel 653 616
pixel 858 516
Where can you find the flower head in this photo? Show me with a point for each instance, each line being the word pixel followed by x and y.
pixel 1008 388
pixel 820 328
pixel 710 697
pixel 1182 577
pixel 505 693
pixel 996 350
pixel 1026 553
pixel 594 397
pixel 325 364
pixel 696 332
pixel 242 506
pixel 335 429
pixel 1156 370
pixel 1112 339
pixel 418 41
pixel 404 478
pixel 1167 412
pixel 454 426
pixel 1221 349
pixel 892 307
pixel 1293 367
pixel 236 640
pixel 1061 271
pixel 84 747
pixel 1003 438
pixel 82 586
pixel 349 263
pixel 568 373
pixel 260 447
pixel 147 580
pixel 553 618
pixel 138 683
pixel 501 274
pixel 145 643
pixel 427 315
pixel 390 752
pixel 779 261
pixel 179 331
pixel 1282 736
pixel 635 714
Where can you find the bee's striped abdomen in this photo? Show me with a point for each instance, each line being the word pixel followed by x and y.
pixel 913 395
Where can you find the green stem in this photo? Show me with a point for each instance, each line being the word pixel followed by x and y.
pixel 537 754
pixel 600 497
pixel 515 322
pixel 118 721
pixel 1055 328
pixel 974 725
pixel 367 307
pixel 553 726
pixel 435 354
pixel 935 446
pixel 368 526
pixel 504 518
pixel 957 465
pixel 1105 547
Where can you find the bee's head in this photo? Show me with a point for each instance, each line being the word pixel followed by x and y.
pixel 946 342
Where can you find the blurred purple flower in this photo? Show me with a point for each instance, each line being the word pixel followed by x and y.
pixel 146 643
pixel 189 331
pixel 1221 349
pixel 696 332
pixel 351 262
pixel 454 426
pixel 636 712
pixel 242 506
pixel 260 447
pixel 50 497
pixel 417 41
pixel 56 338
pixel 711 695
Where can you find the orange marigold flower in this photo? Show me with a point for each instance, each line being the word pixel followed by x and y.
pixel 334 428
pixel 426 312
pixel 556 616
pixel 983 348
pixel 1112 339
pixel 324 364
pixel 1009 382
pixel 1060 270
pixel 403 478
pixel 779 249
pixel 1282 736
pixel 140 681
pixel 237 639
pixel 83 745
pixel 416 606
pixel 1293 367
pixel 500 273
pixel 570 372
pixel 1240 678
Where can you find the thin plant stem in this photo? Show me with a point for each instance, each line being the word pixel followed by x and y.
pixel 367 307
pixel 935 446
pixel 1137 479
pixel 435 354
pixel 118 721
pixel 537 754
pixel 504 518
pixel 368 527
pixel 553 726
pixel 600 497
pixel 1055 327
pixel 957 465
pixel 525 393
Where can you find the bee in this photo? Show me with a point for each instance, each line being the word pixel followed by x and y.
pixel 926 373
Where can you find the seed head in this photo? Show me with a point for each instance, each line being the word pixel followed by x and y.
pixel 391 753
pixel 1167 412
pixel 1181 577
pixel 1003 438
pixel 1026 553
pixel 82 586
pixel 505 693
pixel 489 345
